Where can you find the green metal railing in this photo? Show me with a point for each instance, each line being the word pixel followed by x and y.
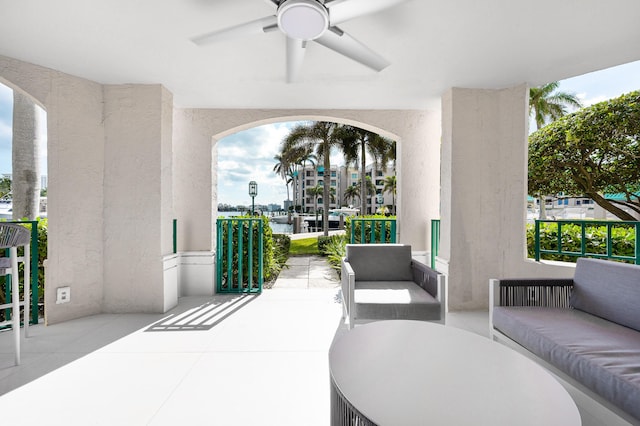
pixel 35 296
pixel 373 230
pixel 584 249
pixel 435 241
pixel 175 236
pixel 239 255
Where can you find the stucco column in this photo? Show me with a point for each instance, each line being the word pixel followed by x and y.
pixel 418 174
pixel 483 195
pixel 138 197
pixel 195 186
pixel 25 180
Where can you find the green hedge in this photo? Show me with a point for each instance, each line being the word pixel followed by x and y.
pixel 622 240
pixel 274 252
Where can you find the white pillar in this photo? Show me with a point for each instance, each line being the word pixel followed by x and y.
pixel 138 199
pixel 483 194
pixel 25 180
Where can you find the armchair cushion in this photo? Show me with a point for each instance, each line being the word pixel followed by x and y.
pixel 382 300
pixel 380 262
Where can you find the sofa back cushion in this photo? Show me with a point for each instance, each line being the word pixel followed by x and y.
pixel 380 262
pixel 610 290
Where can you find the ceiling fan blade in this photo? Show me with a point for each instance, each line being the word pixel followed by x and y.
pixel 343 10
pixel 295 55
pixel 341 42
pixel 258 26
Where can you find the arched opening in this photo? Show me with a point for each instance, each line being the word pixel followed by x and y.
pixel 248 153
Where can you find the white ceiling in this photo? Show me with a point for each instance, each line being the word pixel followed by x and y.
pixel 432 45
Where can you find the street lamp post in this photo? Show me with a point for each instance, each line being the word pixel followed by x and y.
pixel 253 191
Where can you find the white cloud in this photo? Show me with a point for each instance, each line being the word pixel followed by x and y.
pixel 5 130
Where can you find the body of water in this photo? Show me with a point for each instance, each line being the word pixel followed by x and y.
pixel 276 228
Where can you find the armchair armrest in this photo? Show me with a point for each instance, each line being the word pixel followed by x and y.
pixel 544 292
pixel 348 282
pixel 433 282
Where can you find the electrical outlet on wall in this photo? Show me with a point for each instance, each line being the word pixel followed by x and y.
pixel 63 295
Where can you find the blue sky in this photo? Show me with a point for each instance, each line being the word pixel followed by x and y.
pixel 248 155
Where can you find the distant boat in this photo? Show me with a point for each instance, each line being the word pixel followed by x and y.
pixel 336 217
pixel 6 208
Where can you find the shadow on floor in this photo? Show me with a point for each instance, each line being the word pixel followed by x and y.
pixel 205 316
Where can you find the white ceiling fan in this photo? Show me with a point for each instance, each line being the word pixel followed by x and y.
pixel 303 21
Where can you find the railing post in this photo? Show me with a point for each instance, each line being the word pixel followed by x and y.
pixel 260 254
pixel 35 260
pixel 609 239
pixel 393 231
pixel 239 250
pixel 435 241
pixel 637 242
pixel 175 236
pixel 219 255
pixel 537 240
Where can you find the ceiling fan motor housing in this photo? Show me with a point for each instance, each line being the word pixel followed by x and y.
pixel 303 19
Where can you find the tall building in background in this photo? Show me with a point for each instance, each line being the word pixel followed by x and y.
pixel 341 178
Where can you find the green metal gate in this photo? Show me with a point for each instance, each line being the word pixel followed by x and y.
pixel 239 255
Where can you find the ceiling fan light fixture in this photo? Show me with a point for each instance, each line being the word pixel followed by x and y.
pixel 303 19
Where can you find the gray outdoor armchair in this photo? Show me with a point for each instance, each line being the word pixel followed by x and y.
pixel 383 282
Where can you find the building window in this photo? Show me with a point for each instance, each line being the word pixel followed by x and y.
pixel 309 183
pixel 378 173
pixel 333 173
pixel 320 183
pixel 354 176
pixel 309 173
pixel 320 173
pixel 333 183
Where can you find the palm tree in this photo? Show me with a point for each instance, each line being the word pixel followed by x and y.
pixel 546 104
pixel 351 193
pixel 315 192
pixel 283 168
pixel 356 144
pixel 370 188
pixel 300 157
pixel 390 186
pixel 318 137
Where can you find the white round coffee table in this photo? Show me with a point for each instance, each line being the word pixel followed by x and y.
pixel 391 373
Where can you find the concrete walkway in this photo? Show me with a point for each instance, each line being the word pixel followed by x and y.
pixel 307 272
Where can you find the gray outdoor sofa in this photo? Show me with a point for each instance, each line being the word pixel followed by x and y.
pixel 383 282
pixel 585 330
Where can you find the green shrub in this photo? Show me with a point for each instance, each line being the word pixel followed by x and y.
pixel 335 250
pixel 622 240
pixel 322 243
pixel 272 262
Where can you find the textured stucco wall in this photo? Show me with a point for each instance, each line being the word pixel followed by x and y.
pixel 195 130
pixel 75 138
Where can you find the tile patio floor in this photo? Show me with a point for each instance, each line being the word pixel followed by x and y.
pixel 226 360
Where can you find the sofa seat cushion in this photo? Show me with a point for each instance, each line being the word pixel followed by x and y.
pixel 602 355
pixel 394 300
